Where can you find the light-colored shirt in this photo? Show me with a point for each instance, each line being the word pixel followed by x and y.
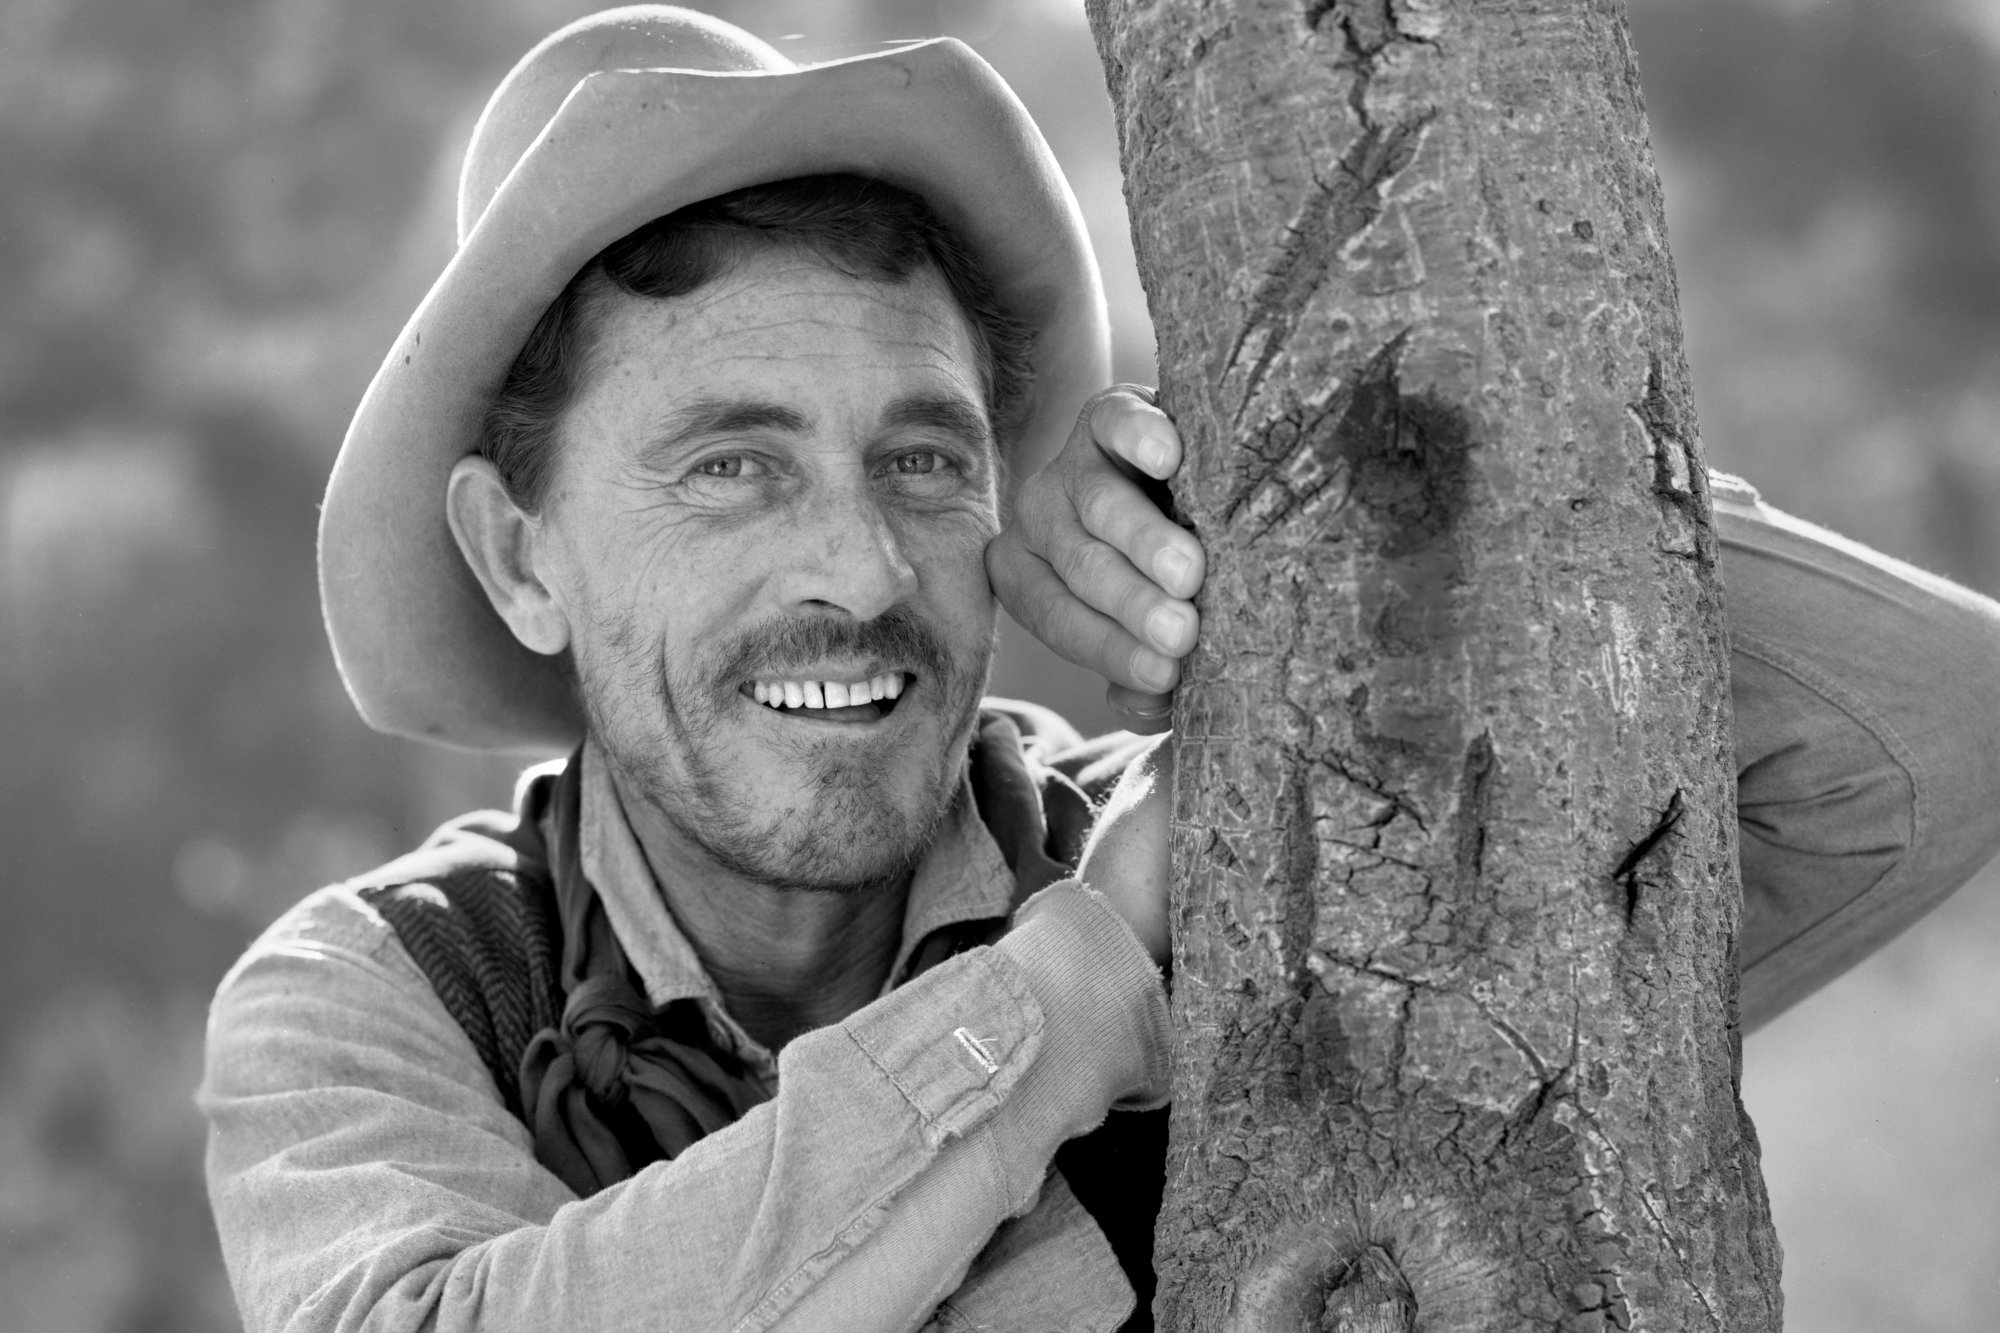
pixel 366 1174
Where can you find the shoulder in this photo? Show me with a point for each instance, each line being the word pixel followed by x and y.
pixel 340 931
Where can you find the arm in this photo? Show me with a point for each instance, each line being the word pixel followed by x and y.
pixel 1866 692
pixel 365 1174
pixel 1867 702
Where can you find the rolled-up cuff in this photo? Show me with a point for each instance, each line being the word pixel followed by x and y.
pixel 1105 1040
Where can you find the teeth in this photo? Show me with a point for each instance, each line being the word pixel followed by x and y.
pixel 827 694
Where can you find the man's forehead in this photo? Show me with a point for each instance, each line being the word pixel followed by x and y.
pixel 784 343
pixel 768 314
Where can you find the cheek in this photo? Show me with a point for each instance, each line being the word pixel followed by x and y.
pixel 641 593
pixel 955 583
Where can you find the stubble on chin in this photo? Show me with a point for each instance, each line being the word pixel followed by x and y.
pixel 848 833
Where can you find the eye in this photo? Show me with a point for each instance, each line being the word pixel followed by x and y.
pixel 917 462
pixel 728 465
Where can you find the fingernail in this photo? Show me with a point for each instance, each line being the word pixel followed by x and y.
pixel 1155 457
pixel 1155 671
pixel 1173 567
pixel 1168 628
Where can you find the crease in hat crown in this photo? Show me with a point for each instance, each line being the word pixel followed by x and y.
pixel 634 37
pixel 657 107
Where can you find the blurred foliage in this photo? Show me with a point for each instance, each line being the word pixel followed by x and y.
pixel 216 214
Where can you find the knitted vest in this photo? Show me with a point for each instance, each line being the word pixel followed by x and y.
pixel 489 939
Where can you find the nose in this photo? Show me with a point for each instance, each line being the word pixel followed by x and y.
pixel 846 555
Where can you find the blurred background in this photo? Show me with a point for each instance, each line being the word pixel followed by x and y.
pixel 214 216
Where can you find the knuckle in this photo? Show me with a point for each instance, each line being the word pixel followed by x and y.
pixel 1098 508
pixel 1086 419
pixel 1077 562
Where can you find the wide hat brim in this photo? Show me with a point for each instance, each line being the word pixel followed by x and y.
pixel 419 646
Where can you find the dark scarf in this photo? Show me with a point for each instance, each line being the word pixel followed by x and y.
pixel 615 1084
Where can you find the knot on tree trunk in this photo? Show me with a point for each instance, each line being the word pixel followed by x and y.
pixel 1304 1285
pixel 1372 1296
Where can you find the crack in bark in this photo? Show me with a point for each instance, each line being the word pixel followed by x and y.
pixel 1335 213
pixel 1680 482
pixel 1367 29
pixel 1359 774
pixel 1520 1043
pixel 1474 799
pixel 1673 463
pixel 1627 873
pixel 1660 1226
pixel 1283 438
pixel 1299 872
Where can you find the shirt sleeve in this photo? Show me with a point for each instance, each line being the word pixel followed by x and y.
pixel 1867 704
pixel 366 1176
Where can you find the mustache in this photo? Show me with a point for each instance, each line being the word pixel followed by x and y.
pixel 778 647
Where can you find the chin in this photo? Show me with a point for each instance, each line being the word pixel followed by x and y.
pixel 843 835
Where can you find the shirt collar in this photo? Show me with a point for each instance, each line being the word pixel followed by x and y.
pixel 962 877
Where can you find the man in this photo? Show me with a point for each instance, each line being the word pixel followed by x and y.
pixel 775 1005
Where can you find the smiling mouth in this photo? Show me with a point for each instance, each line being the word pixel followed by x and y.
pixel 864 700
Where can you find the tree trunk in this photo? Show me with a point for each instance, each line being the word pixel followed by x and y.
pixel 1455 833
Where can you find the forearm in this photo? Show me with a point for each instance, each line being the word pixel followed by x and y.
pixel 371 1179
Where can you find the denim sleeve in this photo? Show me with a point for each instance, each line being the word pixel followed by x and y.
pixel 1867 702
pixel 366 1176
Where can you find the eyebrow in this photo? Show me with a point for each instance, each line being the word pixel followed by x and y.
pixel 723 416
pixel 946 414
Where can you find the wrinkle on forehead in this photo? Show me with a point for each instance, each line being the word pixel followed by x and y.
pixel 767 313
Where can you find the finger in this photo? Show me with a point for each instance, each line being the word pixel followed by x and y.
pixel 1046 527
pixel 1046 608
pixel 1146 714
pixel 1113 509
pixel 1101 577
pixel 1125 425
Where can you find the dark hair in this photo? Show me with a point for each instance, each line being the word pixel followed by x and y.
pixel 863 227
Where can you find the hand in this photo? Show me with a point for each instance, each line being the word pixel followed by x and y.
pixel 1090 566
pixel 1127 858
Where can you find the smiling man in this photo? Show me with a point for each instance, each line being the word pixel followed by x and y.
pixel 774 1002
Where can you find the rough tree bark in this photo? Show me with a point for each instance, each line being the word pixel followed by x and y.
pixel 1455 833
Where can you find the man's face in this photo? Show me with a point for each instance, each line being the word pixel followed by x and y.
pixel 778 489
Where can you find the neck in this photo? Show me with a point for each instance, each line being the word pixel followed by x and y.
pixel 787 960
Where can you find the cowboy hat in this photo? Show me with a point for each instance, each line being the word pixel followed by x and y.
pixel 618 119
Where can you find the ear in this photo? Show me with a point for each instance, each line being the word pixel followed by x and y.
pixel 500 542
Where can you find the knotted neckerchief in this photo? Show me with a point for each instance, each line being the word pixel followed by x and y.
pixel 617 1085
